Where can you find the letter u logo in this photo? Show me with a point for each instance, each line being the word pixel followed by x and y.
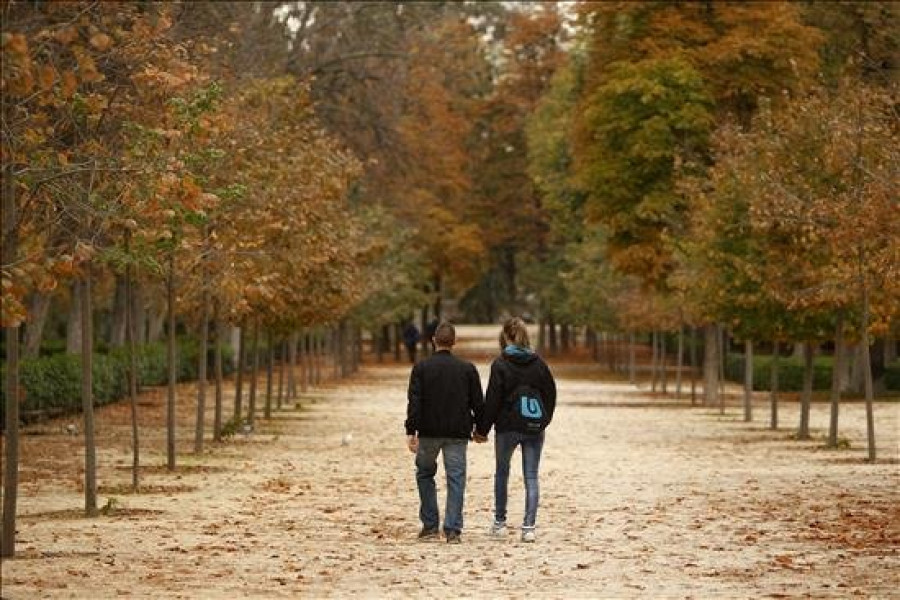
pixel 531 408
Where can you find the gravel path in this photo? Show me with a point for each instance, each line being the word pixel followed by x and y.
pixel 642 496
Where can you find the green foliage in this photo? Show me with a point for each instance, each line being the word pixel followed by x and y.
pixel 52 384
pixel 640 129
pixel 231 427
pixel 892 376
pixel 790 372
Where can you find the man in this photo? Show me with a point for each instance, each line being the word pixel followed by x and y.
pixel 445 402
pixel 410 339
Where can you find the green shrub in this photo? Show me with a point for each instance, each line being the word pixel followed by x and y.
pixel 790 372
pixel 52 384
pixel 892 376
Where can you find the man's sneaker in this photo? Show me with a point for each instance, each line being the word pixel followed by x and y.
pixel 528 535
pixel 453 537
pixel 498 529
pixel 428 533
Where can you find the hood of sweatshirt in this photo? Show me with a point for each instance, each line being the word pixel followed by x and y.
pixel 519 355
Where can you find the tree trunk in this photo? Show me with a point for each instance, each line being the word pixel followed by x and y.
pixel 711 365
pixel 87 396
pixel 316 358
pixel 291 364
pixel 306 359
pixel 270 366
pixel 381 335
pixel 663 365
pixel 773 385
pixel 631 357
pixel 201 367
pixel 551 331
pixel 344 347
pixel 397 343
pixel 357 348
pixel 10 251
pixel 334 345
pixel 73 326
pixel 854 381
pixel 132 365
pixel 38 309
pixel 138 312
pixel 173 367
pixel 239 376
pixel 809 352
pixel 564 338
pixel 426 339
pixel 722 340
pixel 867 367
pixel 155 325
pixel 542 335
pixel 254 370
pixel 680 361
pixel 693 366
pixel 748 381
pixel 119 313
pixel 836 381
pixel 654 359
pixel 282 364
pixel 11 460
pixel 438 300
pixel 219 375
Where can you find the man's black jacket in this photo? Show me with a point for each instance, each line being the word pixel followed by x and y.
pixel 445 398
pixel 513 367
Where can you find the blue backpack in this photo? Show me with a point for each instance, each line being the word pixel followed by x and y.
pixel 527 410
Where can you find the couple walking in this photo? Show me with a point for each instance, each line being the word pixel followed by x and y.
pixel 446 409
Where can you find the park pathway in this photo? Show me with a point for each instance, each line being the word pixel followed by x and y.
pixel 642 497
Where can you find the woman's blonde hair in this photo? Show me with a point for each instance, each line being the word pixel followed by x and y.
pixel 514 332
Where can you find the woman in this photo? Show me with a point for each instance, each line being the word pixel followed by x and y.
pixel 517 368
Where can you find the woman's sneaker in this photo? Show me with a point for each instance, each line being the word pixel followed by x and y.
pixel 528 534
pixel 498 529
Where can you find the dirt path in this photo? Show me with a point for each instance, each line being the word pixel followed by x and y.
pixel 641 497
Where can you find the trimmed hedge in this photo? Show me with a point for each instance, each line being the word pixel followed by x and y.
pixel 790 373
pixel 52 384
pixel 892 376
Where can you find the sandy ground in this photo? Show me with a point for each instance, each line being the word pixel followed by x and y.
pixel 642 496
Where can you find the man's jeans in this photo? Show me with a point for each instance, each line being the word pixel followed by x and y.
pixel 454 451
pixel 504 445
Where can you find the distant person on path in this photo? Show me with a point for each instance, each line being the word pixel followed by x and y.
pixel 410 339
pixel 445 402
pixel 519 404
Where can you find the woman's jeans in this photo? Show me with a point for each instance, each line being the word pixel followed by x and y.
pixel 454 451
pixel 504 445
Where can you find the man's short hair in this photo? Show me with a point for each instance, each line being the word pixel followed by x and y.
pixel 445 335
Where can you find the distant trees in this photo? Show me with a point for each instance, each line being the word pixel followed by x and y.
pixel 712 165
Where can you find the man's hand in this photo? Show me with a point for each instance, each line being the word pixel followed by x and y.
pixel 479 439
pixel 412 442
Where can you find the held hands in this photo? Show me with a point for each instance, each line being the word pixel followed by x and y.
pixel 412 442
pixel 479 439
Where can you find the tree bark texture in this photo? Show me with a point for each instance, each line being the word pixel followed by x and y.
pixel 809 352
pixel 38 309
pixel 773 385
pixel 748 381
pixel 87 396
pixel 172 366
pixel 836 382
pixel 711 365
pixel 10 251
